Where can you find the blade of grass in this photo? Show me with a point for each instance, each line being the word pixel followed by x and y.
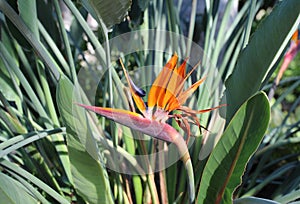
pixel 276 174
pixel 9 187
pixel 191 27
pixel 39 108
pixel 40 50
pixel 13 124
pixel 23 140
pixel 30 188
pixel 65 40
pixel 250 18
pixel 54 49
pixel 29 71
pixel 12 167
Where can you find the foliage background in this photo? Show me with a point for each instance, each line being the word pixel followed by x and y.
pixel 44 158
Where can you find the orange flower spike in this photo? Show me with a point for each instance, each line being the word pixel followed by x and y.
pixel 166 94
pixel 157 90
pixel 137 99
pixel 154 128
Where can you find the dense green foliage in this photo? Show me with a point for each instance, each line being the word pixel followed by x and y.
pixel 53 151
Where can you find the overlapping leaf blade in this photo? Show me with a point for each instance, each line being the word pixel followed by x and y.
pixel 90 177
pixel 8 189
pixel 263 50
pixel 227 162
pixel 110 11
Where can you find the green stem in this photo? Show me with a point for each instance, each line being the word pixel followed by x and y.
pixel 30 73
pixel 249 22
pixel 5 55
pixel 54 49
pixel 65 40
pixel 191 27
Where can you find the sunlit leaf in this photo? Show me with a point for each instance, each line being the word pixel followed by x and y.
pixel 263 50
pixel 89 176
pixel 110 11
pixel 227 162
pixel 11 191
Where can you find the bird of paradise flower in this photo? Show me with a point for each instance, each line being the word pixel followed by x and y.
pixel 166 95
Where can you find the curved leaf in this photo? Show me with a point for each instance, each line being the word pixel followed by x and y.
pixel 263 50
pixel 110 11
pixel 254 200
pixel 11 191
pixel 28 13
pixel 90 177
pixel 227 162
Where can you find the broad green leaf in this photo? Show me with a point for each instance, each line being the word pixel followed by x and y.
pixel 89 176
pixel 263 50
pixel 110 11
pixel 11 191
pixel 227 162
pixel 28 13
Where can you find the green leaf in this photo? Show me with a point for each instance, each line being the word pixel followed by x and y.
pixel 263 50
pixel 11 191
pixel 89 176
pixel 227 162
pixel 15 169
pixel 254 200
pixel 289 197
pixel 30 37
pixel 110 11
pixel 6 84
pixel 28 13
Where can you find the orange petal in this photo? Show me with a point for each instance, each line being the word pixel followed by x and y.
pixel 173 89
pixel 181 85
pixel 173 104
pixel 295 36
pixel 170 91
pixel 109 112
pixel 163 90
pixel 210 109
pixel 157 90
pixel 187 93
pixel 191 111
pixel 137 99
pixel 181 69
